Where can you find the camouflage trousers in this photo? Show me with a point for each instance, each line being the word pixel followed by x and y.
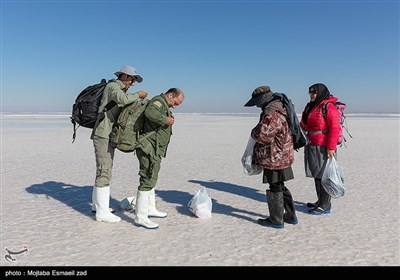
pixel 149 167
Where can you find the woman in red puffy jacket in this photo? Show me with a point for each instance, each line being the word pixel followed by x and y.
pixel 323 132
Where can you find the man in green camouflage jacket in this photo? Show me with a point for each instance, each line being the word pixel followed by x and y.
pixel 158 122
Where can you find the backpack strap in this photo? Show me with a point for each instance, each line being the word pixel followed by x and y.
pixel 74 128
pixel 325 109
pixel 108 107
pixel 324 131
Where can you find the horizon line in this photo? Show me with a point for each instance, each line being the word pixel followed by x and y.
pixel 67 114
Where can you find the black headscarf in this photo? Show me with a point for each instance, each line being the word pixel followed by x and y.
pixel 322 94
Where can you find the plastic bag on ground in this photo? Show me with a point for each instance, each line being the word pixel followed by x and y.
pixel 200 204
pixel 128 203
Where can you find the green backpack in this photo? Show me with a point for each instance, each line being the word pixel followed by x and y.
pixel 129 126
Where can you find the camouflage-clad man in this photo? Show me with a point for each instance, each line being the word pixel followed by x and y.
pixel 158 123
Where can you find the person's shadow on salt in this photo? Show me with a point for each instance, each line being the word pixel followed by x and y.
pixel 232 188
pixel 78 198
pixel 176 197
pixel 245 192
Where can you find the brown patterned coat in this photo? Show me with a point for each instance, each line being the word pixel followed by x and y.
pixel 274 143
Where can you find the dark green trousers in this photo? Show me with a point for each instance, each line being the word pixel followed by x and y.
pixel 149 167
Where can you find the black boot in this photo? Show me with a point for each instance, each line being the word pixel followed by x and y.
pixel 275 206
pixel 324 206
pixel 290 213
pixel 318 187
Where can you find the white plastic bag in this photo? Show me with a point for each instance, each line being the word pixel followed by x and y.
pixel 333 179
pixel 200 204
pixel 247 159
pixel 128 203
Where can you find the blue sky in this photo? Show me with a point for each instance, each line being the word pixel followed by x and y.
pixel 218 52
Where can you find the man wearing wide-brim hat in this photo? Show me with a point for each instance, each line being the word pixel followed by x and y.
pixel 274 152
pixel 115 97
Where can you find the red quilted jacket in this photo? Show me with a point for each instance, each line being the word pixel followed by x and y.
pixel 321 131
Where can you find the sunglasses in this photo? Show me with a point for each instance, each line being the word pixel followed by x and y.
pixel 312 91
pixel 134 79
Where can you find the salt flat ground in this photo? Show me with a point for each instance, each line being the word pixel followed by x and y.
pixel 46 185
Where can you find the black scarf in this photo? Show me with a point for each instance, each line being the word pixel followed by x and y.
pixel 322 94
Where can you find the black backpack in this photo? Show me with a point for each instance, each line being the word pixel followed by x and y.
pixel 299 137
pixel 86 107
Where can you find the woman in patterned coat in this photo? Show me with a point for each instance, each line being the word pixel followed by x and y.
pixel 275 153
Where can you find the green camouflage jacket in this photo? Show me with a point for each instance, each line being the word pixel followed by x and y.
pixel 156 114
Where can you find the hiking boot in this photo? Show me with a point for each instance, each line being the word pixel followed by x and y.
pixel 268 223
pixel 324 206
pixel 276 210
pixel 318 187
pixel 290 220
pixel 312 205
pixel 290 213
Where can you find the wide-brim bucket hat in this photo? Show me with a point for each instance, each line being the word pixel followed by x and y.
pixel 129 70
pixel 259 96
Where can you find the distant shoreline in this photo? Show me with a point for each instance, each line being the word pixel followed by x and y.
pixel 67 115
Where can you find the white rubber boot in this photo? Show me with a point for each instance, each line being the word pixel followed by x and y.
pixel 102 201
pixel 94 206
pixel 153 212
pixel 142 210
